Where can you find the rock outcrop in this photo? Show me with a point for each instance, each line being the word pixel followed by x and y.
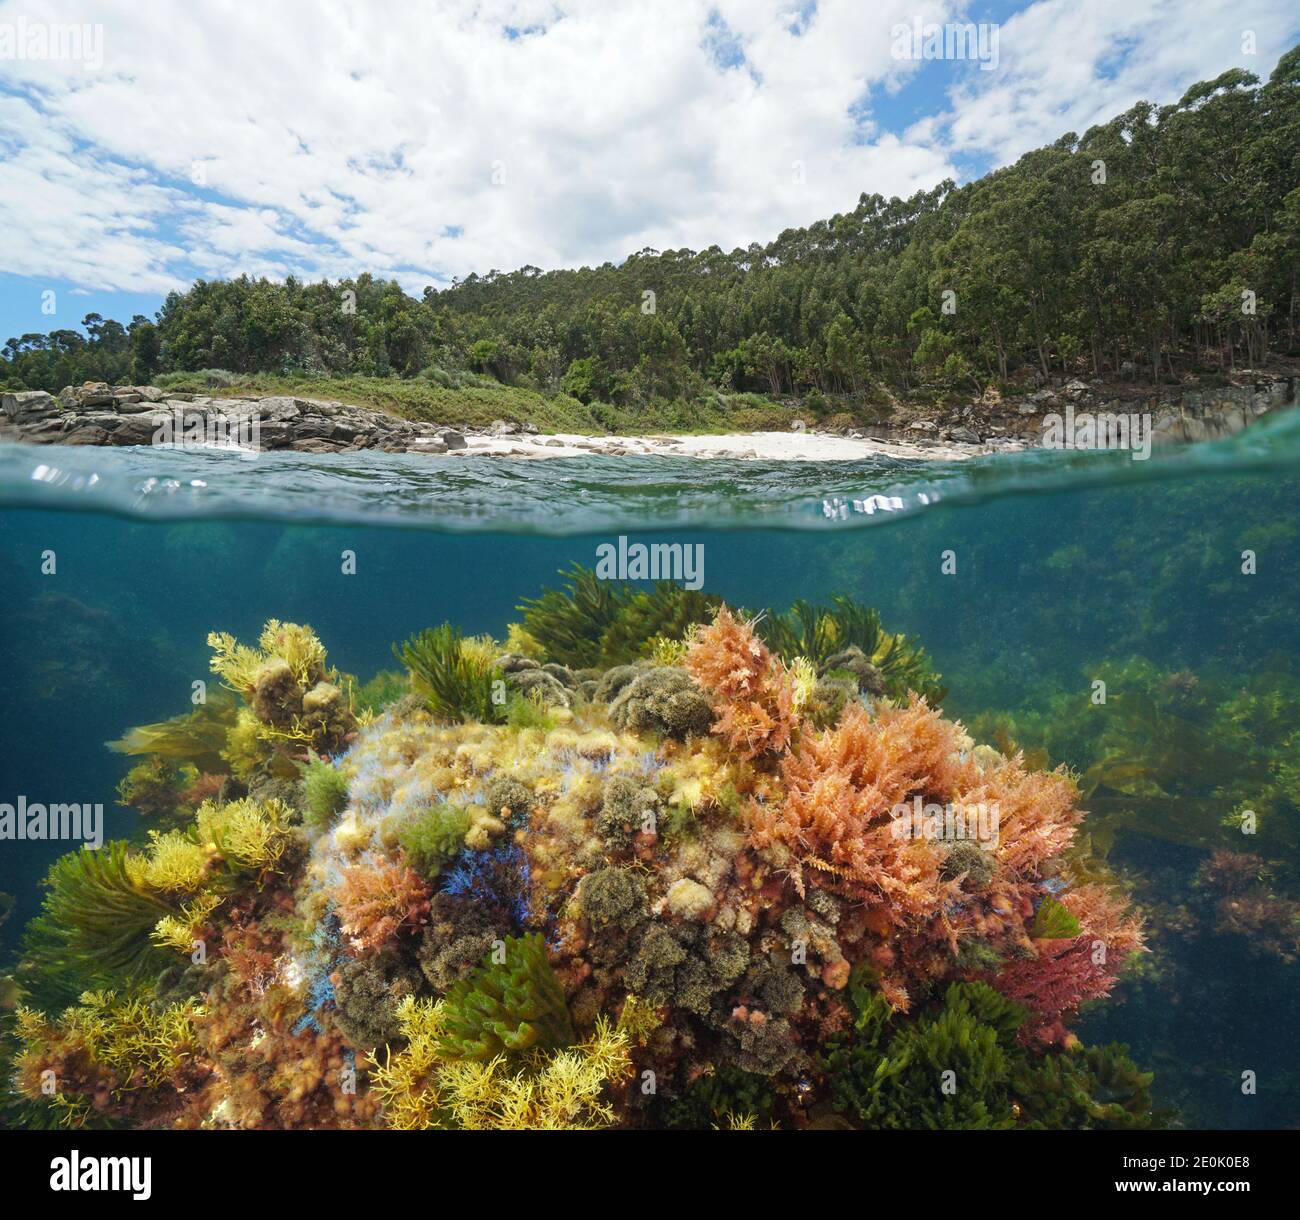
pixel 1178 414
pixel 100 414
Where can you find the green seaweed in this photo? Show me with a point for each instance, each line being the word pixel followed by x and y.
pixel 1052 921
pixel 820 632
pixel 93 929
pixel 569 623
pixel 457 682
pixel 667 611
pixel 506 1006
pixel 719 1096
pixel 433 839
pixel 325 793
pixel 962 1067
pixel 1088 1088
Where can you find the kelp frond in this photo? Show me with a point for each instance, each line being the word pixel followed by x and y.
pixel 95 923
pixel 455 675
pixel 198 737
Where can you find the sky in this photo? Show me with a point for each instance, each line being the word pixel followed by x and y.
pixel 143 147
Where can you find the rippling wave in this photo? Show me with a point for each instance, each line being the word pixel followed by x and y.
pixel 575 495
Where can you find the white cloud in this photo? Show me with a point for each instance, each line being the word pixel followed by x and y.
pixel 332 138
pixel 1065 66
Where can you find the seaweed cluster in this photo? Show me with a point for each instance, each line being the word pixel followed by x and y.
pixel 661 882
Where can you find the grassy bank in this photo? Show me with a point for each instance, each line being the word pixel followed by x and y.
pixel 480 400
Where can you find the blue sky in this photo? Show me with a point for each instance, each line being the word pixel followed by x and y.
pixel 427 142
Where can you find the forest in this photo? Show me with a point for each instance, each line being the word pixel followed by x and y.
pixel 1162 243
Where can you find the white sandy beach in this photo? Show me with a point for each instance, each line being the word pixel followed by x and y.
pixel 767 446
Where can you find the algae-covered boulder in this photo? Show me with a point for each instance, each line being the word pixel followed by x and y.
pixel 663 700
pixel 615 680
pixel 613 896
pixel 853 660
pixel 539 684
pixel 367 992
pixel 627 808
pixel 507 797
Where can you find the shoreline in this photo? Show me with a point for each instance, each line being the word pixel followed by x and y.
pixel 100 414
pixel 737 446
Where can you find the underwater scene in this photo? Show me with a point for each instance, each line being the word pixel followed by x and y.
pixel 651 794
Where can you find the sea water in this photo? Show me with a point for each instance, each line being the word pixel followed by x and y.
pixel 1054 592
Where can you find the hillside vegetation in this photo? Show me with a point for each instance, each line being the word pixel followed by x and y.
pixel 1162 244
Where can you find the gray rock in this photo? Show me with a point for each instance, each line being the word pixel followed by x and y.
pixel 29 404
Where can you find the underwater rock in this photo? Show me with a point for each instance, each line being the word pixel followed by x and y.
pixel 514 662
pixel 367 994
pixel 507 797
pixel 616 680
pixel 662 701
pixel 613 896
pixel 870 680
pixel 537 683
pixel 609 889
pixel 627 808
pixel 969 861
pixel 689 899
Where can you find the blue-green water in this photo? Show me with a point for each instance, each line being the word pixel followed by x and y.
pixel 1069 569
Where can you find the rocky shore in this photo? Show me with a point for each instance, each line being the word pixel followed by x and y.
pixel 100 414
